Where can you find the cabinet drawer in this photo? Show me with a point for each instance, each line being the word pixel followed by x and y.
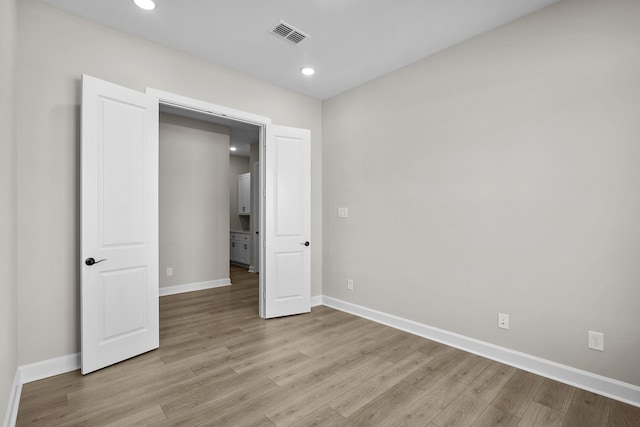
pixel 239 237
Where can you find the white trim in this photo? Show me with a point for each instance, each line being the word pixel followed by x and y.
pixel 187 103
pixel 14 401
pixel 49 368
pixel 609 387
pixel 190 287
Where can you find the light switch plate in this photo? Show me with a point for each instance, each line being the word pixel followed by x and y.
pixel 343 212
pixel 503 321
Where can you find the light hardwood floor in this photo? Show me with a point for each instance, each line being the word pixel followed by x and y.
pixel 219 364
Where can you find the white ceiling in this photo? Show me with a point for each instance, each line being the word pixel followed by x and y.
pixel 351 41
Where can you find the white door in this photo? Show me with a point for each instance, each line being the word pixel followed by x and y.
pixel 119 283
pixel 287 229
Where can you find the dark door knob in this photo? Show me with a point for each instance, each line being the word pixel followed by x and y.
pixel 91 261
pixel 306 243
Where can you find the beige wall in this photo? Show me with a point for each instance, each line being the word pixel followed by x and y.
pixel 500 175
pixel 54 49
pixel 8 317
pixel 194 201
pixel 237 166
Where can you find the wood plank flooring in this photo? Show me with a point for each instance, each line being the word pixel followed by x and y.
pixel 219 364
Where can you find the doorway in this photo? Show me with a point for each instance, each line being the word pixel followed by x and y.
pixel 284 187
pixel 198 198
pixel 189 107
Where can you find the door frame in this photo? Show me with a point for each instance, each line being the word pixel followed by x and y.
pixel 196 105
pixel 257 201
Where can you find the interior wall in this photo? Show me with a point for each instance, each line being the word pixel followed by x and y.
pixel 193 201
pixel 8 304
pixel 237 166
pixel 500 175
pixel 54 49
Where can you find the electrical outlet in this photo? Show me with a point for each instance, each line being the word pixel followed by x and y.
pixel 596 341
pixel 169 271
pixel 350 284
pixel 503 321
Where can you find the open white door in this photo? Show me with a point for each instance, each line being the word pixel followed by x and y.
pixel 287 229
pixel 119 283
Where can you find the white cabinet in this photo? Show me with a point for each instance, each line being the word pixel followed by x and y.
pixel 240 250
pixel 244 194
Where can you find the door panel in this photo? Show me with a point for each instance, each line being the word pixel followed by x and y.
pixel 289 190
pixel 121 169
pixel 119 292
pixel 124 295
pixel 287 267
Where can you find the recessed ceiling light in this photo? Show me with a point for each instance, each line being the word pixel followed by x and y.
pixel 232 148
pixel 307 71
pixel 145 4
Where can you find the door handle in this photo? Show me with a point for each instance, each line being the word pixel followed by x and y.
pixel 305 243
pixel 91 261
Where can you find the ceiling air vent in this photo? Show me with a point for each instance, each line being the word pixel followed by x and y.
pixel 289 33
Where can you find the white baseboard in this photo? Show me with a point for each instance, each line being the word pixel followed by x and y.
pixel 34 372
pixel 190 287
pixel 49 368
pixel 14 401
pixel 609 387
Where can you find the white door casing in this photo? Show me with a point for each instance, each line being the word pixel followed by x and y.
pixel 255 247
pixel 287 222
pixel 119 203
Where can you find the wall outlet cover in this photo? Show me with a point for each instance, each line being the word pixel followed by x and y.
pixel 596 340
